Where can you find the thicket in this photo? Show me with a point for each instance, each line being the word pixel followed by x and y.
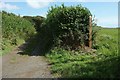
pixel 36 21
pixel 69 26
pixel 15 29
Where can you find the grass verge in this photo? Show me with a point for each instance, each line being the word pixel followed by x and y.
pixel 103 63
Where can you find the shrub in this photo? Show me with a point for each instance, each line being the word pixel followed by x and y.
pixel 36 21
pixel 69 26
pixel 15 29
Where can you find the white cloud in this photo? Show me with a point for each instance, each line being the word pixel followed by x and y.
pixel 38 3
pixel 6 6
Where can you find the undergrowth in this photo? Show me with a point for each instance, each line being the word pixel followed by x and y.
pixel 103 63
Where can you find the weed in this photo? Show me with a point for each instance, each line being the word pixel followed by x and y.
pixel 103 63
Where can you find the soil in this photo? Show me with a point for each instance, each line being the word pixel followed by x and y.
pixel 15 65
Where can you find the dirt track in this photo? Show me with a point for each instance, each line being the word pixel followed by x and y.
pixel 15 65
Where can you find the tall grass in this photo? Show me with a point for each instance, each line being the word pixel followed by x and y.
pixel 107 42
pixel 103 63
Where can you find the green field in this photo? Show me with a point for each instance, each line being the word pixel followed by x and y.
pixel 110 31
pixel 100 64
pixel 107 41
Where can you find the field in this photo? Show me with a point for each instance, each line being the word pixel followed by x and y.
pixel 110 31
pixel 100 64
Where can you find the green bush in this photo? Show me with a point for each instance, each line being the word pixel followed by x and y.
pixel 69 26
pixel 15 30
pixel 14 26
pixel 36 21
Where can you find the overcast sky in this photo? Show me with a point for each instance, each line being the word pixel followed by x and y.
pixel 106 13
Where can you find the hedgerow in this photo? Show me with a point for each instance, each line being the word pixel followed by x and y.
pixel 36 21
pixel 69 26
pixel 15 29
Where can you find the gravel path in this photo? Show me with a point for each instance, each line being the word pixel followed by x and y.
pixel 23 66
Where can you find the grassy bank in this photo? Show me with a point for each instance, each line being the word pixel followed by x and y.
pixel 103 63
pixel 8 47
pixel 15 31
